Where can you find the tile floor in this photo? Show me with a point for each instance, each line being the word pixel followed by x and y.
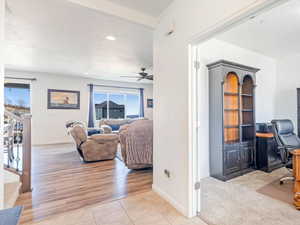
pixel 143 209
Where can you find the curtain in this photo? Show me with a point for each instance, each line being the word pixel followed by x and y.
pixel 91 107
pixel 142 111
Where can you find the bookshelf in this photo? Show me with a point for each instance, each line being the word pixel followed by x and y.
pixel 232 119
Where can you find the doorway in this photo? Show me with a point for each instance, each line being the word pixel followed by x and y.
pixel 208 49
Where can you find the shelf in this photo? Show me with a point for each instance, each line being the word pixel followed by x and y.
pixel 229 127
pixel 247 125
pixel 232 142
pixel 231 110
pixel 246 95
pixel 247 110
pixel 231 93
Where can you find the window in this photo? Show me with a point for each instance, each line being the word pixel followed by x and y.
pixel 133 106
pixel 116 105
pixel 100 106
pixel 17 98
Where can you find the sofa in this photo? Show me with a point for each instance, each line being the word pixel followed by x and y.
pixel 96 147
pixel 136 141
pixel 113 125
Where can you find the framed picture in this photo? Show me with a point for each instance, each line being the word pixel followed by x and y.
pixel 63 99
pixel 149 103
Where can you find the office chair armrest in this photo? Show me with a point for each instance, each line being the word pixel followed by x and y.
pixel 292 147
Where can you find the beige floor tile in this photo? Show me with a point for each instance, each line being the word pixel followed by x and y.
pixel 110 214
pixel 77 217
pixel 151 220
pixel 143 209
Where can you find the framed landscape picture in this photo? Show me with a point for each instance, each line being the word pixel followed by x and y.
pixel 63 99
pixel 149 103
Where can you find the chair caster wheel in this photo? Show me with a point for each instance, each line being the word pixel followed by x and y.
pixel 281 182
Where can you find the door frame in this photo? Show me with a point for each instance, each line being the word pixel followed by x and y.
pixel 256 8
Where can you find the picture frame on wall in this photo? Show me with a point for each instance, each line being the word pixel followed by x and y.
pixel 63 99
pixel 149 103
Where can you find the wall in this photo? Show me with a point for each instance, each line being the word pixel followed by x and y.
pixel 288 81
pixel 171 93
pixel 48 126
pixel 2 8
pixel 214 50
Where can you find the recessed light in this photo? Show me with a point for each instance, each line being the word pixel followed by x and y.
pixel 111 38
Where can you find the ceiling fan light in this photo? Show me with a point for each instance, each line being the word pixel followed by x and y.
pixel 110 38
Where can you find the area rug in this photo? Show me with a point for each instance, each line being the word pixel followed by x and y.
pixel 282 193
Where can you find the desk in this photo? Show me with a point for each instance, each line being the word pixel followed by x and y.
pixel 265 135
pixel 296 171
pixel 266 156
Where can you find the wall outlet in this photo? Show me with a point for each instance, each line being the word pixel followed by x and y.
pixel 167 173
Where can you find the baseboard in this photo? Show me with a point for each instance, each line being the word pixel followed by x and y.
pixel 49 144
pixel 170 200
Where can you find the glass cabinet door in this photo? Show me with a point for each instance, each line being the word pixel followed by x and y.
pixel 231 108
pixel 247 103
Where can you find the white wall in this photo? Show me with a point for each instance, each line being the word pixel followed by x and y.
pixel 2 8
pixel 48 125
pixel 214 50
pixel 171 93
pixel 288 80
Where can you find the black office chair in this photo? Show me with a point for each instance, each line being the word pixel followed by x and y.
pixel 287 141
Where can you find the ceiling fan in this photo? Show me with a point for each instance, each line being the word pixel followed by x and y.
pixel 7 8
pixel 142 75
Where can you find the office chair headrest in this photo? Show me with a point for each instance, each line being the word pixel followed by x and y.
pixel 283 126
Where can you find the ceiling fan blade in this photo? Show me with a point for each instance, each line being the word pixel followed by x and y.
pixel 131 76
pixel 143 74
pixel 150 77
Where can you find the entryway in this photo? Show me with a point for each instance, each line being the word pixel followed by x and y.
pixel 216 198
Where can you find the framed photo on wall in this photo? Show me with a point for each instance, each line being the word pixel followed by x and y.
pixel 63 99
pixel 149 103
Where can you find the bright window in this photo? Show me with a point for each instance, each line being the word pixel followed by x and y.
pixel 132 106
pixel 17 98
pixel 116 105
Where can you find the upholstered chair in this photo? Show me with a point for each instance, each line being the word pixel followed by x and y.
pixel 287 142
pixel 96 147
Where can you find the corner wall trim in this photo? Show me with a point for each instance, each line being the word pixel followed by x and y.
pixel 170 200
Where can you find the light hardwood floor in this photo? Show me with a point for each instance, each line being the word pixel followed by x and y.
pixel 62 183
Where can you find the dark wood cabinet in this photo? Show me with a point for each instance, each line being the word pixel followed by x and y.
pixel 232 119
pixel 267 155
pixel 232 158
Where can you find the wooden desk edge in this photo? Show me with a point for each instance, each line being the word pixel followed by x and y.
pixel 265 135
pixel 296 172
pixel 296 152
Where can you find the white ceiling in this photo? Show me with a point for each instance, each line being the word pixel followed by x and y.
pixel 150 7
pixel 57 36
pixel 275 33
